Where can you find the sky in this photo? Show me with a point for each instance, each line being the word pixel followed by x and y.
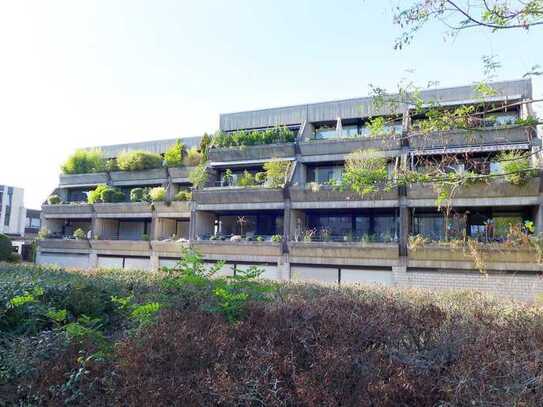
pixel 79 73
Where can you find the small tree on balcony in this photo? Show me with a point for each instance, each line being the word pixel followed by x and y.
pixel 173 157
pixel 84 162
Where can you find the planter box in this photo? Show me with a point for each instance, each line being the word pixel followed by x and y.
pixel 131 247
pixel 495 189
pixel 349 253
pixel 82 180
pixel 169 249
pixel 237 195
pixel 64 245
pixel 243 250
pixel 476 137
pixel 494 257
pixel 123 209
pixel 67 211
pixel 147 177
pixel 180 175
pixel 176 209
pixel 347 146
pixel 250 153
pixel 329 197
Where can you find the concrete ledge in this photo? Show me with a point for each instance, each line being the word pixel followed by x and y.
pixel 496 193
pixel 176 209
pixel 180 174
pixel 123 210
pixel 475 137
pixel 146 177
pixel 235 195
pixel 168 249
pixel 248 153
pixel 327 197
pixel 62 211
pixel 495 258
pixel 122 247
pixel 243 251
pixel 67 245
pixel 82 180
pixel 348 145
pixel 348 253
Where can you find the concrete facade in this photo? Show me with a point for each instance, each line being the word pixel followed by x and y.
pixel 289 210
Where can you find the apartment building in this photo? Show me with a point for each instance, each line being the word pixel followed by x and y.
pixel 12 211
pixel 307 229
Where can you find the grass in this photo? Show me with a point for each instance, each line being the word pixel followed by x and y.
pixel 139 338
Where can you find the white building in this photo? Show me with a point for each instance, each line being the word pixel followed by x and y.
pixel 12 211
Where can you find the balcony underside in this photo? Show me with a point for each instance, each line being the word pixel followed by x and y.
pixel 328 198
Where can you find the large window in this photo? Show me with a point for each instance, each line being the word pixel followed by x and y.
pixel 250 225
pixel 324 174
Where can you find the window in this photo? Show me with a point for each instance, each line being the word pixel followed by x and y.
pixel 324 174
pixel 325 133
pixel 388 129
pixel 431 226
pixel 77 195
pixel 250 225
pixel 35 223
pixel 499 119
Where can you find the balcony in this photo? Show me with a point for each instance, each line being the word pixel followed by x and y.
pixel 175 209
pixel 327 197
pixel 240 250
pixel 82 180
pixel 251 153
pixel 180 175
pixel 344 253
pixel 123 210
pixel 344 146
pixel 64 245
pixel 490 137
pixel 238 198
pixel 146 177
pixel 494 256
pixel 66 211
pixel 496 192
pixel 122 247
pixel 168 248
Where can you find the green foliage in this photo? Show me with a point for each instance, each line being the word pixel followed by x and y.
pixel 54 200
pixel 276 173
pixel 5 248
pixel 173 157
pixel 247 179
pixel 194 157
pixel 84 162
pixel 198 176
pixel 205 143
pixel 183 196
pixel 157 194
pixel 365 172
pixel 516 167
pixel 276 238
pixel 276 135
pixel 139 195
pixel 111 165
pixel 144 313
pixel 80 234
pixel 138 160
pixel 105 194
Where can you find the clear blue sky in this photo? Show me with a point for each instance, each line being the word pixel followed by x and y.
pixel 76 73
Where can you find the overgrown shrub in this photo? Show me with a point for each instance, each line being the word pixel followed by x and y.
pixel 139 195
pixel 54 200
pixel 5 248
pixel 194 157
pixel 240 138
pixel 199 176
pixel 173 157
pixel 247 179
pixel 80 234
pixel 84 161
pixel 105 194
pixel 516 167
pixel 138 160
pixel 183 196
pixel 157 194
pixel 365 172
pixel 276 173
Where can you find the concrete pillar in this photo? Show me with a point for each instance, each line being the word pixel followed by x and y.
pixel 154 262
pixel 283 268
pixel 93 259
pixel 399 274
pixel 538 216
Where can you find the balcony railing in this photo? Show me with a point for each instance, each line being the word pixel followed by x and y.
pixel 241 250
pixel 251 153
pixel 123 209
pixel 385 254
pixel 75 210
pixel 348 145
pixel 130 247
pixel 175 209
pixel 68 245
pixel 82 180
pixel 236 196
pixel 146 177
pixel 328 196
pixel 493 256
pixel 475 137
pixel 169 248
